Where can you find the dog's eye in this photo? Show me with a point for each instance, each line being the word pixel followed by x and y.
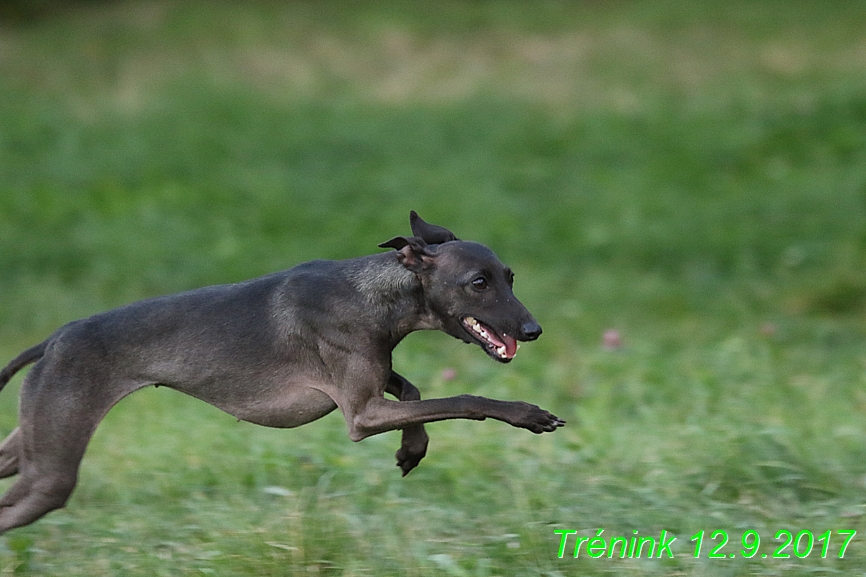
pixel 480 283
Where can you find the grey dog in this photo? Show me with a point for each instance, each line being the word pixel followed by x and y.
pixel 281 350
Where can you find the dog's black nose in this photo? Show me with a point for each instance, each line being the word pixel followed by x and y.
pixel 531 330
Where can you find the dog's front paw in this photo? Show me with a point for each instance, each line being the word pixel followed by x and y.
pixel 413 448
pixel 539 421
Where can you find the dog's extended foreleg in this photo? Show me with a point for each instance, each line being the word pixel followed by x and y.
pixel 379 414
pixel 414 445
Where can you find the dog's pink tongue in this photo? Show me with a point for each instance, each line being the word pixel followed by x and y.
pixel 510 346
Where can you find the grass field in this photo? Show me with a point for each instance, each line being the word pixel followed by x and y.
pixel 691 174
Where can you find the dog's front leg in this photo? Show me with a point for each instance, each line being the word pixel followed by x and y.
pixel 378 414
pixel 414 445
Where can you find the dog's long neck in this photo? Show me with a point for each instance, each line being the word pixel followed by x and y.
pixel 394 293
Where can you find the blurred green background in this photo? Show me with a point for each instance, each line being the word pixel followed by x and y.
pixel 689 174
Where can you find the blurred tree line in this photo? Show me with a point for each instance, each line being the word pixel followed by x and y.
pixel 29 9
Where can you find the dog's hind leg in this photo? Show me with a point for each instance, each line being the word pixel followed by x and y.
pixel 48 472
pixel 58 416
pixel 10 450
pixel 32 496
pixel 51 447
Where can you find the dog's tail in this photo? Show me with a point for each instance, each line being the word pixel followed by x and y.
pixel 31 355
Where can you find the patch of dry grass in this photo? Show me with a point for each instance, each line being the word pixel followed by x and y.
pixel 592 58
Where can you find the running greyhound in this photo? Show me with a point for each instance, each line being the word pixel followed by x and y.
pixel 281 350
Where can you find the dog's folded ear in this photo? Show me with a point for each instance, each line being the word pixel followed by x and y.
pixel 412 252
pixel 398 242
pixel 430 233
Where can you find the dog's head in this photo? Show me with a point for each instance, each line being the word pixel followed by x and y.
pixel 467 289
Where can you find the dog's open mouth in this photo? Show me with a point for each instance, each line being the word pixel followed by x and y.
pixel 500 347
